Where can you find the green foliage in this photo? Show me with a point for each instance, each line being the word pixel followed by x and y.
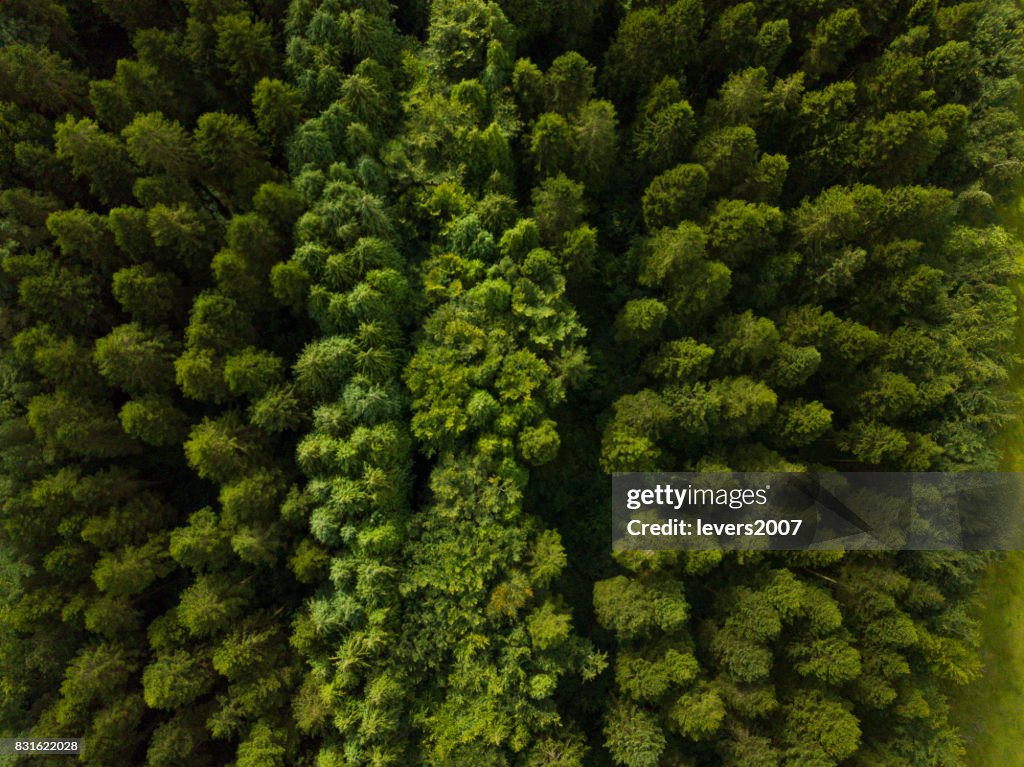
pixel 674 195
pixel 633 737
pixel 463 35
pixel 651 44
pixel 833 37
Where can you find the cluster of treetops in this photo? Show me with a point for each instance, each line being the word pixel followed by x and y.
pixel 324 323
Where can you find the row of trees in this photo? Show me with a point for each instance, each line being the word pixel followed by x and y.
pixel 820 282
pixel 324 323
pixel 151 420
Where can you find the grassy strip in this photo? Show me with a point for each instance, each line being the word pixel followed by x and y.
pixel 990 710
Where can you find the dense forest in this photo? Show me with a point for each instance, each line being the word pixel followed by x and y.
pixel 324 323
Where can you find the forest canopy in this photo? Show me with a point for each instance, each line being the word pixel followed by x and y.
pixel 324 323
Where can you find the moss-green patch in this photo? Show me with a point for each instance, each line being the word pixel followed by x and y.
pixel 990 711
